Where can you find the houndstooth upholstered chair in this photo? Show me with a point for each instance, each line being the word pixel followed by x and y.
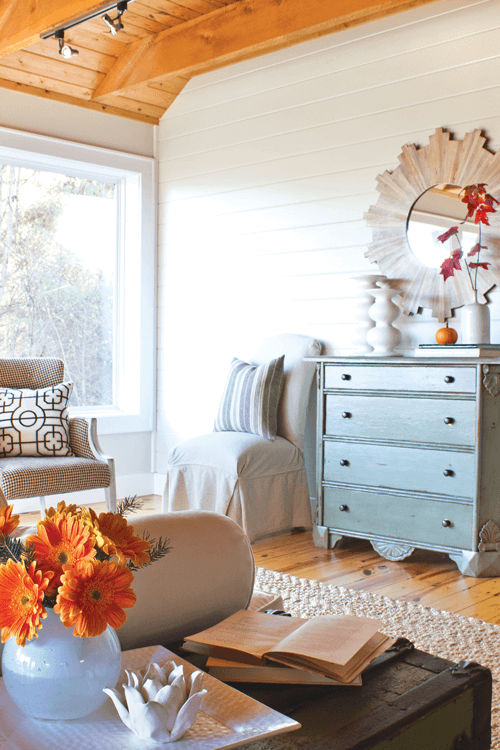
pixel 85 468
pixel 260 483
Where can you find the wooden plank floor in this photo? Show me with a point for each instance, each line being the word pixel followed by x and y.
pixel 429 578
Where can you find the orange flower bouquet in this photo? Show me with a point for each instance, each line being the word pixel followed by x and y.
pixel 79 563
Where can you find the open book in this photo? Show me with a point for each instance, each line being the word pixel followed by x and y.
pixel 337 646
pixel 238 671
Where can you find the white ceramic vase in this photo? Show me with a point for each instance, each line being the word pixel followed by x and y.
pixel 475 323
pixel 58 675
pixel 384 337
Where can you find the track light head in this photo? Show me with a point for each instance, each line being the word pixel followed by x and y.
pixel 64 49
pixel 115 24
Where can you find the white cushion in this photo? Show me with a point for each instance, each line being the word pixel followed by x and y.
pixel 261 484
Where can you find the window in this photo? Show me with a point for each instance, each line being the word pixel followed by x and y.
pixel 76 270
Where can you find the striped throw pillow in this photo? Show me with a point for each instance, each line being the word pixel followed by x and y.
pixel 250 399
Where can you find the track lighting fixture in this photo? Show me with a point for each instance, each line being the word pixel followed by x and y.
pixel 115 24
pixel 64 49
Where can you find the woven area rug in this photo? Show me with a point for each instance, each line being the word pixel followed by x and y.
pixel 443 634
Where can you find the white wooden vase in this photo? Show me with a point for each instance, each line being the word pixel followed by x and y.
pixel 366 283
pixel 384 337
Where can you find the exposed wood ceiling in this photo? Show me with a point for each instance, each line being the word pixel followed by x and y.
pixel 138 72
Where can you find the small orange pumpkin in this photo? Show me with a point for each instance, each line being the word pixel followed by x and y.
pixel 446 336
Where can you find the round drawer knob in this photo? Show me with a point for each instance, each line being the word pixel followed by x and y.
pixel 345 376
pixel 343 508
pixel 449 379
pixel 344 462
pixel 446 522
pixel 346 415
pixel 449 420
pixel 448 473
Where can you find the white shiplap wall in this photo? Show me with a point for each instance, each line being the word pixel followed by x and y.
pixel 266 170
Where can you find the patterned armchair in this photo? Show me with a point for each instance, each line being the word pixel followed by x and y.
pixel 85 468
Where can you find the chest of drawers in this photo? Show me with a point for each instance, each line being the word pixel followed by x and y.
pixel 408 455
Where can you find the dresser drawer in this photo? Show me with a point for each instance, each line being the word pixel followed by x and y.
pixel 412 519
pixel 394 467
pixel 424 420
pixel 450 379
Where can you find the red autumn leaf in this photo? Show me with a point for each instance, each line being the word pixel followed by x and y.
pixel 489 200
pixel 456 255
pixel 448 234
pixel 477 247
pixel 480 265
pixel 481 214
pixel 474 192
pixel 448 267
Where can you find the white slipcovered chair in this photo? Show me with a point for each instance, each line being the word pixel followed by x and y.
pixel 259 483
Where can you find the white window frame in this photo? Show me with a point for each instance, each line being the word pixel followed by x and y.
pixel 135 367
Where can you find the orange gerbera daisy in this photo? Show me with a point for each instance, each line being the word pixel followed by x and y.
pixel 120 540
pixel 21 596
pixel 62 508
pixel 8 522
pixel 93 595
pixel 60 540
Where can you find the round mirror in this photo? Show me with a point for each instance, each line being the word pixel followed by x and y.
pixel 434 212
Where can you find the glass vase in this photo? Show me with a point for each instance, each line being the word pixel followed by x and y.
pixel 59 675
pixel 475 323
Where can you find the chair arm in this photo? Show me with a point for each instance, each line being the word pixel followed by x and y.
pixel 207 575
pixel 83 439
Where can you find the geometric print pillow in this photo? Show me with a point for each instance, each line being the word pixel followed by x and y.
pixel 251 397
pixel 35 423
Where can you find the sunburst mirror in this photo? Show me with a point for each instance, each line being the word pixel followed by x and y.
pixel 419 200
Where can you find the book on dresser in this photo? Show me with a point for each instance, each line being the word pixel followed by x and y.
pixel 334 646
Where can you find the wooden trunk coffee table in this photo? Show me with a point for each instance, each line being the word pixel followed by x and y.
pixel 409 700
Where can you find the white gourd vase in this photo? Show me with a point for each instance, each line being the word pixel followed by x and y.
pixel 475 323
pixel 384 337
pixel 59 675
pixel 366 284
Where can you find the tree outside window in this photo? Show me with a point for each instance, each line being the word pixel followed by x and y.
pixel 58 256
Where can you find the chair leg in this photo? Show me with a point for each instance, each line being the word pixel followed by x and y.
pixel 43 508
pixel 110 491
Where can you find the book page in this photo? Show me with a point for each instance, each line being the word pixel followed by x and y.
pixel 377 644
pixel 248 632
pixel 329 638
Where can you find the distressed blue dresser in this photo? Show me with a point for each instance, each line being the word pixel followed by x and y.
pixel 409 456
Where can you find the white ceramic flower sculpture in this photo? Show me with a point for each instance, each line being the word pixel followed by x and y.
pixel 160 703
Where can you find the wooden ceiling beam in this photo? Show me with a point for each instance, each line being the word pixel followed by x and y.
pixel 237 32
pixel 23 21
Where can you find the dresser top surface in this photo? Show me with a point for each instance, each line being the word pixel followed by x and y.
pixel 450 360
